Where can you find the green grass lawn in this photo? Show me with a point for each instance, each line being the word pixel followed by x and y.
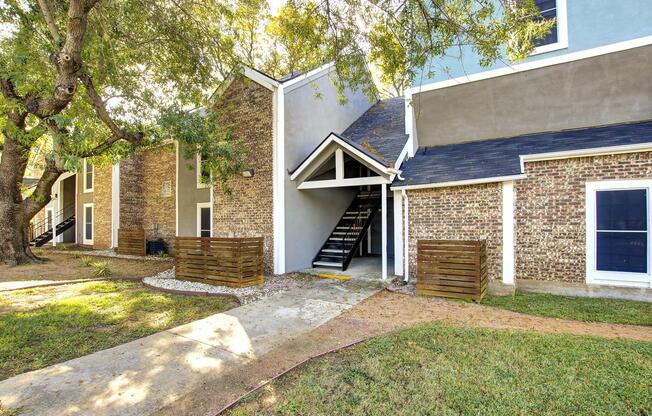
pixel 440 370
pixel 44 326
pixel 576 308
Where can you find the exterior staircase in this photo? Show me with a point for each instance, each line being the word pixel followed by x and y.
pixel 42 232
pixel 344 240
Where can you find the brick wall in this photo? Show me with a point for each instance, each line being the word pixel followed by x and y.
pixel 458 213
pixel 131 192
pixel 550 212
pixel 158 194
pixel 102 206
pixel 248 212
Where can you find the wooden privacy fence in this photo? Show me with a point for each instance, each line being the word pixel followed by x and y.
pixel 131 241
pixel 452 268
pixel 234 262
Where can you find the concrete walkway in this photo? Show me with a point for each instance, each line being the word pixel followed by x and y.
pixel 143 376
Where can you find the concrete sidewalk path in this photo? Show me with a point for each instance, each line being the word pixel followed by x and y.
pixel 145 375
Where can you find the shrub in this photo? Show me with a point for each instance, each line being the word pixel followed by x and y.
pixel 86 261
pixel 101 269
pixel 39 252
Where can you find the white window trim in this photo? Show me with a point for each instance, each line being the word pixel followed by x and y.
pixel 201 205
pixel 598 277
pixel 200 184
pixel 562 31
pixel 86 241
pixel 86 189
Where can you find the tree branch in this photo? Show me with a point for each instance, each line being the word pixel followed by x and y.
pixel 103 114
pixel 52 25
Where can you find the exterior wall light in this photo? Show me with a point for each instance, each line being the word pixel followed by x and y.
pixel 249 173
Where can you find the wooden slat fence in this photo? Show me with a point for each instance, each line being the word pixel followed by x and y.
pixel 233 262
pixel 452 268
pixel 131 241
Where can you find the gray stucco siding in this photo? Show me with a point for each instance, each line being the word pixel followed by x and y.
pixel 607 89
pixel 189 195
pixel 310 215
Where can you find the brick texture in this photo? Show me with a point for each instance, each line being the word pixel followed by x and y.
pixel 246 107
pixel 159 208
pixel 458 213
pixel 102 206
pixel 551 212
pixel 131 192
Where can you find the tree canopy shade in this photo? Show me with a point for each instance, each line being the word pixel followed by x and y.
pixel 101 79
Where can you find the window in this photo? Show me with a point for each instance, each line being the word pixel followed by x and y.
pixel 204 223
pixel 88 224
pixel 558 36
pixel 88 176
pixel 203 173
pixel 618 240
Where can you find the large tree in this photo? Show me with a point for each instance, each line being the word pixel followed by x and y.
pixel 101 79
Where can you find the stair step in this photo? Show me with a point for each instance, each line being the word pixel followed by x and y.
pixel 341 239
pixel 326 264
pixel 333 250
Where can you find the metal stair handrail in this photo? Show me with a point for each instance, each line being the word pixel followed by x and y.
pixel 39 228
pixel 360 223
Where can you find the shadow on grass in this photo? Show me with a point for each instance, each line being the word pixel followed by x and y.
pixel 97 316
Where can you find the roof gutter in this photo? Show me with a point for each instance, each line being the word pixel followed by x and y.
pixel 458 183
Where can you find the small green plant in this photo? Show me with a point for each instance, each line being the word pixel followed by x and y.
pixel 162 254
pixel 101 269
pixel 39 252
pixel 8 412
pixel 77 255
pixel 86 261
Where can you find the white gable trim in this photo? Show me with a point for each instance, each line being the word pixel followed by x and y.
pixel 260 78
pixel 308 77
pixel 459 183
pixel 333 138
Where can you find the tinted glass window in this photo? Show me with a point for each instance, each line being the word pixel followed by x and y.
pixel 205 218
pixel 548 9
pixel 88 229
pixel 622 210
pixel 622 252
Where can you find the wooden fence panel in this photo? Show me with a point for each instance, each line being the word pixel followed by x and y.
pixel 131 241
pixel 452 268
pixel 233 262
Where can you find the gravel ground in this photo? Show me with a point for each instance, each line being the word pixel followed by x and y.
pixel 274 284
pixel 109 253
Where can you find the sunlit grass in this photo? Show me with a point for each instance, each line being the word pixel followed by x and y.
pixel 440 370
pixel 576 308
pixel 88 317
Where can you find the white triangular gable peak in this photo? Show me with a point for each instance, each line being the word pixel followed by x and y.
pixel 335 147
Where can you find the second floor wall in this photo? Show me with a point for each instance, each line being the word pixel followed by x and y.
pixel 583 24
pixel 606 89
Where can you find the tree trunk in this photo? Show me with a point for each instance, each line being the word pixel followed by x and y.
pixel 14 232
pixel 15 212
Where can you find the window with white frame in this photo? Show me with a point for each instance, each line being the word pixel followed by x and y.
pixel 203 173
pixel 87 229
pixel 618 237
pixel 204 223
pixel 558 36
pixel 89 176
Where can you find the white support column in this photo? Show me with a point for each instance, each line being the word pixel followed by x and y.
pixel 398 233
pixel 339 164
pixel 508 232
pixel 383 207
pixel 406 242
pixel 115 204
pixel 57 208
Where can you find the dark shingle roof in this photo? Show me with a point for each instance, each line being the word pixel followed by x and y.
pixel 380 132
pixel 500 157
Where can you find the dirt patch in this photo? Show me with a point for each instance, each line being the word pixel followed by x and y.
pixel 382 313
pixel 58 266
